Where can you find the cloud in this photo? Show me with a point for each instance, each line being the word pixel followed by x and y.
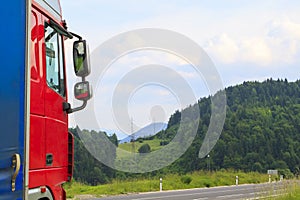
pixel 188 75
pixel 255 50
pixel 285 37
pixel 280 43
pixel 247 41
pixel 163 93
pixel 228 50
pixel 223 48
pixel 284 28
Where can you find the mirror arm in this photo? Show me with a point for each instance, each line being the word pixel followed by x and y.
pixel 60 29
pixel 79 108
pixel 67 106
pixel 75 35
pixel 69 110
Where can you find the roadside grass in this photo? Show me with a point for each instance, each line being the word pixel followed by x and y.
pixel 290 191
pixel 197 179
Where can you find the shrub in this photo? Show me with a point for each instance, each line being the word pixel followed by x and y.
pixel 186 179
pixel 163 143
pixel 140 140
pixel 207 185
pixel 145 148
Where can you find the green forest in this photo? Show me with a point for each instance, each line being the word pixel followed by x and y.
pixel 261 132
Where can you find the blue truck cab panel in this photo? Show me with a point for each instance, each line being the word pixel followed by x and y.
pixel 13 98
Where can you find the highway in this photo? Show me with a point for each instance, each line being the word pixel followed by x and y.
pixel 249 191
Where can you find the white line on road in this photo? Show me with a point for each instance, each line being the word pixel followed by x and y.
pixel 230 195
pixel 197 193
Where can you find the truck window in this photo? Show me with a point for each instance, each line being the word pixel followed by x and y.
pixel 54 60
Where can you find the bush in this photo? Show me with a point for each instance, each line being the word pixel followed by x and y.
pixel 286 173
pixel 163 143
pixel 140 140
pixel 207 184
pixel 145 148
pixel 186 180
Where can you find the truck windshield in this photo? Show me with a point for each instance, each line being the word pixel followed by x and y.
pixel 54 60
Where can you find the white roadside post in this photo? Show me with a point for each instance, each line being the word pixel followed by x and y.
pixel 281 177
pixel 160 184
pixel 236 180
pixel 272 172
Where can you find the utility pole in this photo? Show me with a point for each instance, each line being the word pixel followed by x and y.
pixel 132 137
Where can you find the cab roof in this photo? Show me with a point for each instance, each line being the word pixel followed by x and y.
pixel 52 7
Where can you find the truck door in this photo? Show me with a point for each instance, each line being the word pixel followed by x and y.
pixel 13 99
pixel 56 126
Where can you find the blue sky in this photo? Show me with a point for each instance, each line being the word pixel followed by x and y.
pixel 246 40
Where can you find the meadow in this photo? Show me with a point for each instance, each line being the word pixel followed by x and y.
pixel 197 179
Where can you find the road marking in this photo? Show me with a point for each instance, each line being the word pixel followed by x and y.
pixel 168 196
pixel 265 197
pixel 258 191
pixel 197 193
pixel 230 195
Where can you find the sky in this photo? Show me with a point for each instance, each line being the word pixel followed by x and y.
pixel 246 41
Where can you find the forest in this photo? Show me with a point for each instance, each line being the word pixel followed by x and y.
pixel 261 132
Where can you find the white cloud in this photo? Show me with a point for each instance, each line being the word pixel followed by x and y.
pixel 224 48
pixel 255 50
pixel 284 28
pixel 163 92
pixel 279 44
pixel 248 36
pixel 188 75
pixel 284 34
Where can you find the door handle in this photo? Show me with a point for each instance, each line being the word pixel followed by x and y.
pixel 16 164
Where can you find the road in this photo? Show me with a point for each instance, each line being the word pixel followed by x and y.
pixel 250 191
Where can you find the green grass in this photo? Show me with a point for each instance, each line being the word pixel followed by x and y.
pixel 291 191
pixel 170 182
pixel 154 144
pixel 129 147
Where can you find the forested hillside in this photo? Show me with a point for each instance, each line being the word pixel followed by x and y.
pixel 86 168
pixel 261 132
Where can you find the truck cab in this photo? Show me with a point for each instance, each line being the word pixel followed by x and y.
pixel 51 145
pixel 41 150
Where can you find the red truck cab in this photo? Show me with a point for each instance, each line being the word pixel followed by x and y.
pixel 51 145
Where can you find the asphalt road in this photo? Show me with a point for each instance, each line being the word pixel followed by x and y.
pixel 251 191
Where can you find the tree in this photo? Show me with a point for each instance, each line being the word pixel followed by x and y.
pixel 145 148
pixel 86 168
pixel 114 139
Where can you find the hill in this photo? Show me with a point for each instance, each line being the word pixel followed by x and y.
pixel 147 131
pixel 261 131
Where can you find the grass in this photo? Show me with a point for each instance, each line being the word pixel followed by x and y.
pixel 170 182
pixel 291 191
pixel 154 144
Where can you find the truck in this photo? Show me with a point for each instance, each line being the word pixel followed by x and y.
pixel 36 149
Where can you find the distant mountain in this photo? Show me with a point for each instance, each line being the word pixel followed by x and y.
pixel 120 135
pixel 147 131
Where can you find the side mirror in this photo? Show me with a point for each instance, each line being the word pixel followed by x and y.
pixel 81 58
pixel 83 91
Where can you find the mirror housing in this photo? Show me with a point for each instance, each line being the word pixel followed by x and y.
pixel 81 58
pixel 83 91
